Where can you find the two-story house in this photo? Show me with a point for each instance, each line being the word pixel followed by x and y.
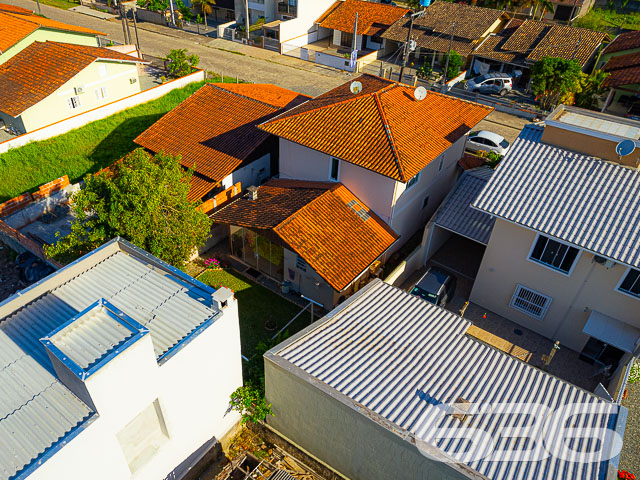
pixel 395 149
pixel 50 81
pixel 563 258
pixel 20 28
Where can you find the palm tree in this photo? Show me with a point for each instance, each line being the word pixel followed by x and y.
pixel 545 4
pixel 205 7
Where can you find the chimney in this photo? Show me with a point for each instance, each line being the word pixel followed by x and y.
pixel 252 192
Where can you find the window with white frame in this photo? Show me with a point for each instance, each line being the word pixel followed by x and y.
pixel 530 302
pixel 630 283
pixel 554 254
pixel 101 93
pixel 334 172
pixel 102 70
pixel 413 180
pixel 74 102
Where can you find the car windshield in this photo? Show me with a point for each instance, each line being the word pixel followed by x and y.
pixel 504 144
pixel 479 79
pixel 429 297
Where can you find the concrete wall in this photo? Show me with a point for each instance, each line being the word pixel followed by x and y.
pixel 252 174
pixel 192 388
pixel 308 283
pixel 303 27
pixel 44 34
pixel 346 436
pixel 588 144
pixel 82 119
pixel 590 286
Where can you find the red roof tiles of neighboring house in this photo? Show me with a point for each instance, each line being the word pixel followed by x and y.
pixel 470 161
pixel 14 9
pixel 383 128
pixel 16 26
pixel 214 130
pixel 624 41
pixel 623 70
pixel 324 223
pixel 373 18
pixel 40 69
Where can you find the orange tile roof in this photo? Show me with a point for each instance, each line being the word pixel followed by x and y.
pixel 16 26
pixel 624 41
pixel 383 128
pixel 568 42
pixel 623 70
pixel 320 222
pixel 214 130
pixel 40 69
pixel 373 18
pixel 14 9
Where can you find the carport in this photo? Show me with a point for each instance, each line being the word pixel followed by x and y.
pixel 459 234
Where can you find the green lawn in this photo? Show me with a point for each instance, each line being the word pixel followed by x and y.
pixel 256 305
pixel 64 4
pixel 608 20
pixel 86 149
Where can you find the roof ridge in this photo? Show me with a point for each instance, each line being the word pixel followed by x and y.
pixel 215 85
pixel 387 131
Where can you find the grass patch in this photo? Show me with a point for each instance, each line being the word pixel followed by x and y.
pixel 256 305
pixel 608 20
pixel 86 149
pixel 63 4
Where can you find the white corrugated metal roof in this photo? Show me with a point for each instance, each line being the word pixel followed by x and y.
pixel 582 200
pixel 456 213
pixel 403 358
pixel 36 409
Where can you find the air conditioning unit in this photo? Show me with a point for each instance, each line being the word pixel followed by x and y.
pixel 609 264
pixel 79 90
pixel 599 259
pixel 133 80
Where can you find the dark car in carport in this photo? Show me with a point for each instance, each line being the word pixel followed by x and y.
pixel 435 286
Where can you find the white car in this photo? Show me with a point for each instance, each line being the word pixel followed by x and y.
pixel 487 142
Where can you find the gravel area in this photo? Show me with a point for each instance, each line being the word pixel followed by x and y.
pixel 9 275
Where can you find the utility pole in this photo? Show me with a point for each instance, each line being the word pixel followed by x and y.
pixel 135 28
pixel 173 16
pixel 39 11
pixel 124 28
pixel 246 18
pixel 354 44
pixel 573 12
pixel 406 47
pixel 446 65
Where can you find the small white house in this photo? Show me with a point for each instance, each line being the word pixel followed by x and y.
pixel 116 366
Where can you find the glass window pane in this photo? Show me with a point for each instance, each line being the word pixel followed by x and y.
pixel 569 259
pixel 631 283
pixel 236 242
pixel 539 248
pixel 249 238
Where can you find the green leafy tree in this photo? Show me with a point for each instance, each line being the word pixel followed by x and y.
pixel 205 7
pixel 555 80
pixel 455 62
pixel 249 401
pixel 180 62
pixel 142 198
pixel 186 12
pixel 592 89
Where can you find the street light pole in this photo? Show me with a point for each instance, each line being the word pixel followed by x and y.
pixel 446 65
pixel 246 18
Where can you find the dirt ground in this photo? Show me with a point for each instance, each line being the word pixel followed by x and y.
pixel 9 275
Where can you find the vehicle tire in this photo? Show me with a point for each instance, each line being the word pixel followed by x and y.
pixel 503 92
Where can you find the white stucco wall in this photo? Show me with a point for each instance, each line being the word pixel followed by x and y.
pixel 304 25
pixel 192 388
pixel 252 174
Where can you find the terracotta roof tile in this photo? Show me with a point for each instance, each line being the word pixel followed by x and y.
pixel 214 130
pixel 40 69
pixel 432 29
pixel 373 18
pixel 16 26
pixel 624 41
pixel 383 128
pixel 470 161
pixel 14 9
pixel 568 42
pixel 623 70
pixel 318 221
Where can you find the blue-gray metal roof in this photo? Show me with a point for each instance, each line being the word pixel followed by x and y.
pixel 582 200
pixel 403 358
pixel 36 409
pixel 456 213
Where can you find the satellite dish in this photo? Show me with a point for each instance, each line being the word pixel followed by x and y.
pixel 355 87
pixel 625 147
pixel 420 93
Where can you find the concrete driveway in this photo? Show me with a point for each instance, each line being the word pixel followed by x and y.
pixel 504 124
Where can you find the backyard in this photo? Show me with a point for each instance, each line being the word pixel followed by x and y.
pixel 86 149
pixel 258 308
pixel 608 21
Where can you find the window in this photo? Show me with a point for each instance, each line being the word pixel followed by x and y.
pixel 631 283
pixel 102 70
pixel 554 254
pixel 301 264
pixel 346 39
pixel 101 93
pixel 425 202
pixel 530 302
pixel 413 180
pixel 334 173
pixel 74 102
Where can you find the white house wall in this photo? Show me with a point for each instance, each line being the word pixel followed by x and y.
pixel 304 25
pixel 192 388
pixel 252 174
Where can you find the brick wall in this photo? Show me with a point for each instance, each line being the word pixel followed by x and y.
pixel 51 187
pixel 221 199
pixel 27 243
pixel 15 204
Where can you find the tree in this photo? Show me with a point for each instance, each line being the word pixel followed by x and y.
pixel 142 198
pixel 205 7
pixel 555 80
pixel 455 61
pixel 180 62
pixel 592 89
pixel 249 401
